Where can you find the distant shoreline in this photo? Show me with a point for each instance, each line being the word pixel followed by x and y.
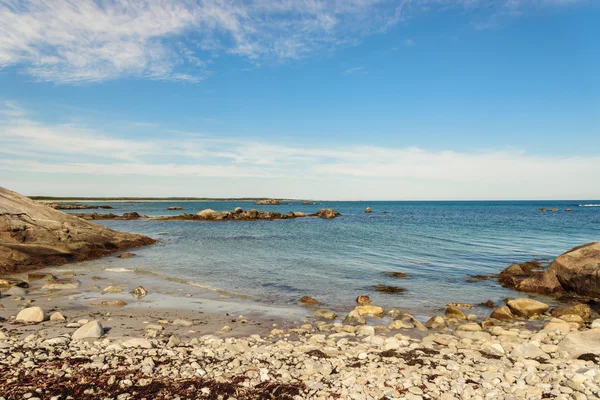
pixel 149 199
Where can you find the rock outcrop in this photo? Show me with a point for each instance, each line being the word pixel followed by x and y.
pixel 268 202
pixel 67 206
pixel 34 235
pixel 578 270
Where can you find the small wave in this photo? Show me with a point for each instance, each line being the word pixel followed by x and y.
pixel 119 270
pixel 589 205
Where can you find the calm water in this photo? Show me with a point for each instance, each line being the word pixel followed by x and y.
pixel 436 243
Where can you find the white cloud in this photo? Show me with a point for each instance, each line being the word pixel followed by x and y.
pixel 72 41
pixel 194 164
pixel 10 109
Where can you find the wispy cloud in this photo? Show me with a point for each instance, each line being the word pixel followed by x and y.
pixel 354 70
pixel 241 166
pixel 74 41
pixel 10 109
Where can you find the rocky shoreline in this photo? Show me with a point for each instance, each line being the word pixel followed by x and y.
pixel 237 214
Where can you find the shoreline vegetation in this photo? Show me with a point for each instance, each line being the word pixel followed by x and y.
pixel 101 336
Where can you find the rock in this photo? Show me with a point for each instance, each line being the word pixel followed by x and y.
pixel 596 324
pixel 578 269
pixel 528 350
pixel 397 274
pixel 112 289
pixel 309 300
pixel 488 304
pixel 363 300
pixel 127 255
pixel 174 341
pixel 182 322
pixel 108 303
pixel 502 314
pixel 572 318
pixel 327 213
pixel 368 210
pixel 31 314
pixel 174 208
pixel 57 317
pixel 400 324
pixel 389 289
pixel 527 307
pixel 17 291
pixel 369 310
pixel 62 284
pixel 365 330
pixel 582 342
pixel 435 322
pixel 493 347
pixel 207 214
pixel 543 282
pixel 557 324
pixel 354 318
pixel 137 343
pixel 91 330
pixel 325 314
pixel 9 282
pixel 470 327
pixel 454 312
pixel 139 292
pixel 269 202
pixel 32 276
pixel 57 341
pixel 583 310
pixel 35 235
pixel 238 210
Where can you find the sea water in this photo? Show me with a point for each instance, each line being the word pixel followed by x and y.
pixel 437 244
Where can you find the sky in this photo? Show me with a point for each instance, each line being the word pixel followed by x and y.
pixel 306 99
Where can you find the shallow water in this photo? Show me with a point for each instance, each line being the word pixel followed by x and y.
pixel 438 244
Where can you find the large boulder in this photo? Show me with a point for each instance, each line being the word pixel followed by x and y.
pixel 527 307
pixel 207 214
pixel 578 269
pixel 92 329
pixel 33 235
pixel 31 314
pixel 271 202
pixel 582 342
pixel 327 213
pixel 543 282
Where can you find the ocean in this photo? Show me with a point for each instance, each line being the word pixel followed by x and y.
pixel 437 244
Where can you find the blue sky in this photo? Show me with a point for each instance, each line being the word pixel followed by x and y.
pixel 355 99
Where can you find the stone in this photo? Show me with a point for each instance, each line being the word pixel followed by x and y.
pixel 595 324
pixel 137 343
pixel 108 303
pixel 325 314
pixel 139 292
pixel 435 322
pixel 174 341
pixel 502 314
pixel 524 307
pixel 581 342
pixel 389 289
pixel 368 210
pixel 17 291
pixel 354 317
pixel 365 330
pixel 31 314
pixel 127 255
pixel 455 312
pixel 269 202
pixel 369 310
pixel 572 318
pixel 57 317
pixel 112 289
pixel 528 350
pixel 493 348
pixel 557 324
pixel 182 322
pixel 91 330
pixel 207 214
pixel 327 213
pixel 36 235
pixel 578 269
pixel 400 324
pixel 33 276
pixel 62 284
pixel 363 300
pixel 543 282
pixel 583 310
pixel 10 282
pixel 309 300
pixel 469 327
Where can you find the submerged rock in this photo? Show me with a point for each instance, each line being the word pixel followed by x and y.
pixel 139 292
pixel 309 300
pixel 108 303
pixel 389 289
pixel 62 284
pixel 127 255
pixel 455 312
pixel 363 300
